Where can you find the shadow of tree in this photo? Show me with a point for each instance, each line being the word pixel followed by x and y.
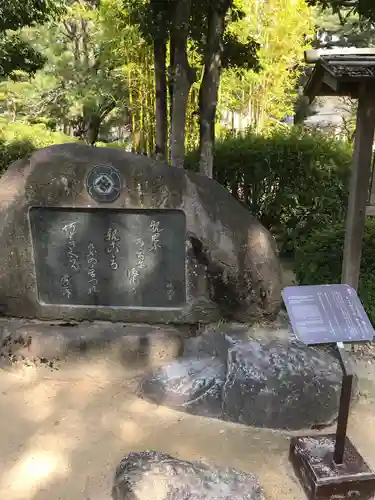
pixel 64 433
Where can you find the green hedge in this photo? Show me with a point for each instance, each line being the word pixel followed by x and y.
pixel 318 260
pixel 293 182
pixel 18 140
pixel 123 145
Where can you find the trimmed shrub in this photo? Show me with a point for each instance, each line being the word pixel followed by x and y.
pixel 18 140
pixel 293 182
pixel 318 261
pixel 123 145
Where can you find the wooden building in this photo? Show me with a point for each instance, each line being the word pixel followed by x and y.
pixel 351 72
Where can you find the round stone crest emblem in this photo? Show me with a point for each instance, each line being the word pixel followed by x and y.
pixel 103 183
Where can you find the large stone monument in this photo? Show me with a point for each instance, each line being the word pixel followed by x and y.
pixel 94 233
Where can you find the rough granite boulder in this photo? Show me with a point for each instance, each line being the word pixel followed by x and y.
pixel 194 385
pixel 259 377
pixel 231 265
pixel 152 475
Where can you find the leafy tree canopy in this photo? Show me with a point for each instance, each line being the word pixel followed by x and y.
pixel 15 53
pixel 364 8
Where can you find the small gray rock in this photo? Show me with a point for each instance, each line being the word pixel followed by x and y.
pixel 194 385
pixel 152 475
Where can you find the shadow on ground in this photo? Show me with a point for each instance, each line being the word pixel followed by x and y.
pixel 64 432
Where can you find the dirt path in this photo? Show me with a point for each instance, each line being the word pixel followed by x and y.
pixel 63 433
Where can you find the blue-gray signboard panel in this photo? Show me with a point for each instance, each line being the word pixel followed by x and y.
pixel 323 314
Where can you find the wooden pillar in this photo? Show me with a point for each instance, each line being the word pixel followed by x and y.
pixel 370 209
pixel 359 186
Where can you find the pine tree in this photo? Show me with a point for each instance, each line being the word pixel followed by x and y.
pixel 15 52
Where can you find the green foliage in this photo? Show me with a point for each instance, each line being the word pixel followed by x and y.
pixel 332 32
pixel 131 54
pixel 318 260
pixel 15 53
pixel 261 100
pixel 98 81
pixel 153 17
pixel 237 54
pixel 292 181
pixel 124 145
pixel 18 140
pixel 80 87
pixel 237 51
pixel 15 14
pixel 155 20
pixel 364 8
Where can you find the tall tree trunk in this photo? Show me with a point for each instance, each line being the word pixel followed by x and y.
pixel 209 90
pixel 171 83
pixel 160 55
pixel 141 118
pixel 93 128
pixel 132 111
pixel 150 116
pixel 92 121
pixel 183 76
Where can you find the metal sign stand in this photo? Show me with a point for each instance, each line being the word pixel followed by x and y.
pixel 328 465
pixel 344 407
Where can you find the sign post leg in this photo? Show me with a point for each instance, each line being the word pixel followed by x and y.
pixel 345 397
pixel 329 466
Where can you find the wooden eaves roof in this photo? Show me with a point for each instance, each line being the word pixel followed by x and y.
pixel 340 73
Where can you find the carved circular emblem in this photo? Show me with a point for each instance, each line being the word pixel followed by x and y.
pixel 104 183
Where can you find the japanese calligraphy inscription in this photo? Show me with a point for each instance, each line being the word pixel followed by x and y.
pixel 109 257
